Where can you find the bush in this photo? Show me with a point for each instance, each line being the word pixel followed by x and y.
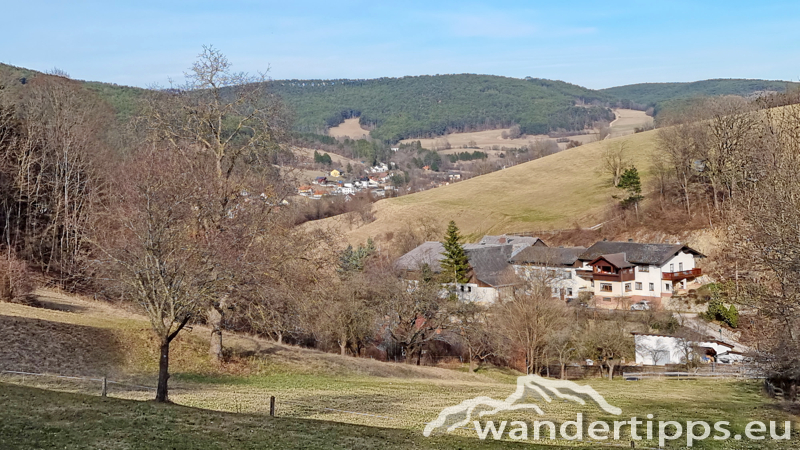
pixel 16 282
pixel 719 312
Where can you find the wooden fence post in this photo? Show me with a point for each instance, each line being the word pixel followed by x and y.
pixel 272 406
pixel 105 387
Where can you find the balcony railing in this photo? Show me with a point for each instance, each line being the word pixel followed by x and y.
pixel 683 274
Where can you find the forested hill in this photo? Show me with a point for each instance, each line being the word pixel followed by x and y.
pixel 657 94
pixel 419 106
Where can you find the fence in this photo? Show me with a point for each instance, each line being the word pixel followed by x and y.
pixel 705 371
pixel 102 386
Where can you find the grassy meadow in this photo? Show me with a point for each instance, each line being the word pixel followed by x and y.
pixel 555 192
pixel 322 400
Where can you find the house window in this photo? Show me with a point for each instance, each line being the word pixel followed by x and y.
pixel 605 287
pixel 592 283
pixel 644 268
pixel 569 292
pixel 680 267
pixel 627 287
pixel 667 287
pixel 638 286
pixel 569 274
pixel 652 287
pixel 672 267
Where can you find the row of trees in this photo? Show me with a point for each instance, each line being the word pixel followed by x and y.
pixel 735 162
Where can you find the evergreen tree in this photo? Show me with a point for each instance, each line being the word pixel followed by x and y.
pixel 455 264
pixel 353 260
pixel 632 184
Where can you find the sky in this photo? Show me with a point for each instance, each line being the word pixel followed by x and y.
pixel 589 43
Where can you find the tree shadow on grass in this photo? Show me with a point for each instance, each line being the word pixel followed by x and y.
pixel 42 346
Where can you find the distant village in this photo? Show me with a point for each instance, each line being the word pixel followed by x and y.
pixel 376 180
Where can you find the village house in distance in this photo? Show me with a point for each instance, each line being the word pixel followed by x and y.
pixel 611 275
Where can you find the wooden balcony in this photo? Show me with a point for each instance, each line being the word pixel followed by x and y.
pixel 682 275
pixel 605 276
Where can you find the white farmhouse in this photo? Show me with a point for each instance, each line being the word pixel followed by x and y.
pixel 627 272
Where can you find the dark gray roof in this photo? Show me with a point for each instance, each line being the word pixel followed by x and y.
pixel 508 239
pixel 548 256
pixel 490 264
pixel 429 253
pixel 617 259
pixel 637 253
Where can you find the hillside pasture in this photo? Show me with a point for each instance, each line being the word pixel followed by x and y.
pixel 555 192
pixel 350 128
pixel 627 121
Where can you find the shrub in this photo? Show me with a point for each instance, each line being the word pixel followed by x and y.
pixel 16 282
pixel 719 312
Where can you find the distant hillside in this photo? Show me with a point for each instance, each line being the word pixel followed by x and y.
pixel 412 107
pixel 426 106
pixel 554 192
pixel 123 99
pixel 657 94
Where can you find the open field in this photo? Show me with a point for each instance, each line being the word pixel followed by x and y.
pixel 554 192
pixel 323 400
pixel 349 128
pixel 627 121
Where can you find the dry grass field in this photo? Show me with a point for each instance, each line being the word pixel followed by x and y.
pixel 323 400
pixel 627 121
pixel 554 192
pixel 349 128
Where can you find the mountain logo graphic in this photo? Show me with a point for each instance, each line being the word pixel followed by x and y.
pixel 528 386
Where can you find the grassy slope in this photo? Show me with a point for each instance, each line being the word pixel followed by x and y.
pixel 553 192
pixel 226 406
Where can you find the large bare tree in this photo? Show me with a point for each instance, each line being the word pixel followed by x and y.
pixel 234 121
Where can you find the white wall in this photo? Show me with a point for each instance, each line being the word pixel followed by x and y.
pixel 563 278
pixel 667 350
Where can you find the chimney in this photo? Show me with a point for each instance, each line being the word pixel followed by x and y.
pixel 630 240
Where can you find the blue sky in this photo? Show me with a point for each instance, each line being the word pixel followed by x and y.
pixel 590 43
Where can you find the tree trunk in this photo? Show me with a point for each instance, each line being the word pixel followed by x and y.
pixel 343 345
pixel 419 355
pixel 610 371
pixel 215 322
pixel 280 337
pixel 563 371
pixel 163 372
pixel 471 367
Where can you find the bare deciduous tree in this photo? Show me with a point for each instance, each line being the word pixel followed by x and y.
pixel 530 318
pixel 233 120
pixel 615 161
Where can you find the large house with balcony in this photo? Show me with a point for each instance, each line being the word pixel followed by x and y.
pixel 621 273
pixel 614 274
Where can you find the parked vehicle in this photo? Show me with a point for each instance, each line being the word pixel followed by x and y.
pixel 643 305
